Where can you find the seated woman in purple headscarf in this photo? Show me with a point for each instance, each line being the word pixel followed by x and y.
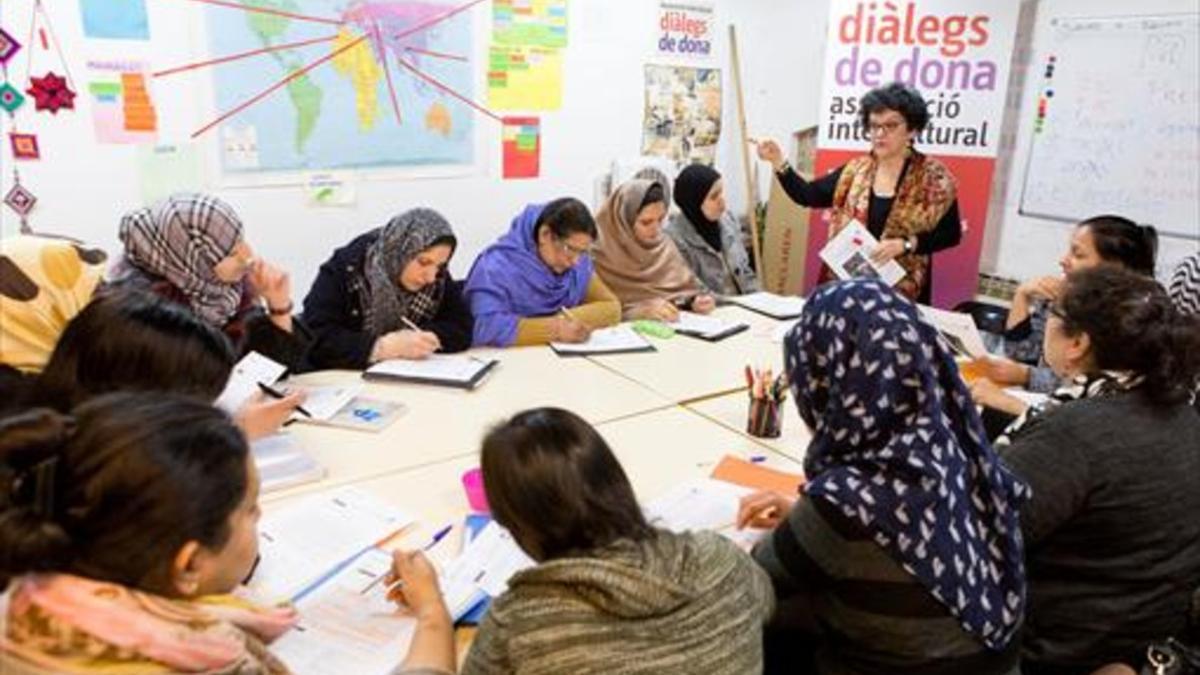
pixel 536 284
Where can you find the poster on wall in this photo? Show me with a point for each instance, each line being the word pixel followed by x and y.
pixel 122 108
pixel 685 30
pixel 115 19
pixel 347 99
pixel 957 53
pixel 683 113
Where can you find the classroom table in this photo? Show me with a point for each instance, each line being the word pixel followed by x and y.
pixel 657 450
pixel 686 369
pixel 730 411
pixel 444 422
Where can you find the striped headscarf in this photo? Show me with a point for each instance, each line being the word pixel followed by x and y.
pixel 1185 285
pixel 181 239
pixel 398 243
pixel 899 448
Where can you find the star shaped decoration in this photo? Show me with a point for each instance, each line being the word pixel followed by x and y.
pixel 10 98
pixel 50 92
pixel 8 46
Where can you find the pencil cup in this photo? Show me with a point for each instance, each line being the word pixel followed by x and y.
pixel 764 420
pixel 473 485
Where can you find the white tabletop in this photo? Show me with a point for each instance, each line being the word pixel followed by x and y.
pixel 443 422
pixel 657 450
pixel 687 369
pixel 731 410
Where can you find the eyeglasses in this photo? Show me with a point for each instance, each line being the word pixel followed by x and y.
pixel 572 250
pixel 886 127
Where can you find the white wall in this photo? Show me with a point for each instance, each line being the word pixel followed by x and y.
pixel 84 187
pixel 1019 246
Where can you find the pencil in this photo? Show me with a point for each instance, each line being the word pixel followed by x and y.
pixel 410 324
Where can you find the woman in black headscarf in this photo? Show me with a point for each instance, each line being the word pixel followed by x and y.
pixel 708 235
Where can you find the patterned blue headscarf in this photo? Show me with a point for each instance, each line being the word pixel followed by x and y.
pixel 898 447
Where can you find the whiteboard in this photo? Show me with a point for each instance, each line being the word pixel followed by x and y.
pixel 1118 127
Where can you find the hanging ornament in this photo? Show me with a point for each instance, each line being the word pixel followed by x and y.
pixel 51 92
pixel 8 46
pixel 20 200
pixel 24 146
pixel 10 98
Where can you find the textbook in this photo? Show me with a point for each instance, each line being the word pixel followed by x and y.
pixel 348 625
pixel 306 543
pixel 447 370
pixel 342 406
pixel 621 339
pixel 283 463
pixel 482 570
pixel 708 328
pixel 781 307
pixel 958 329
pixel 703 504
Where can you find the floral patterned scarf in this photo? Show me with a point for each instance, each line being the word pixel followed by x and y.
pixel 926 192
pixel 66 624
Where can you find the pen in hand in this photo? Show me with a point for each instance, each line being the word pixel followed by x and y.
pixel 275 393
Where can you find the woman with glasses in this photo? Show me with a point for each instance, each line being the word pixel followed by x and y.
pixel 536 284
pixel 905 198
pixel 1112 538
pixel 639 262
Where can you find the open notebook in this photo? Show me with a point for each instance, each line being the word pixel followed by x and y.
pixel 710 328
pixel 620 339
pixel 347 624
pixel 770 304
pixel 309 541
pixel 447 370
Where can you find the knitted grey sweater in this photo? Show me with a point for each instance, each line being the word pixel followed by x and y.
pixel 675 604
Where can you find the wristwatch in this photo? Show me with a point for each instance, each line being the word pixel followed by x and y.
pixel 908 245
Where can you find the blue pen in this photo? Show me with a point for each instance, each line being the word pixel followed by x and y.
pixel 757 459
pixel 438 536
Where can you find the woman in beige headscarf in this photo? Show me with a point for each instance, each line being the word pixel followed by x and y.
pixel 44 283
pixel 641 264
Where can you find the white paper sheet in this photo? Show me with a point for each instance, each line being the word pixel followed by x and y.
pixel 620 338
pixel 484 567
pixel 849 256
pixel 243 381
pixel 959 330
pixel 703 504
pixel 347 625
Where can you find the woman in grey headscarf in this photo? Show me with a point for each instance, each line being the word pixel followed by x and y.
pixel 388 295
pixel 191 249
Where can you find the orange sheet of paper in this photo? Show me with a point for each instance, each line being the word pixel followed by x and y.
pixel 748 474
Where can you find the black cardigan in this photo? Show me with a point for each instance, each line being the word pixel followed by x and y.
pixel 334 312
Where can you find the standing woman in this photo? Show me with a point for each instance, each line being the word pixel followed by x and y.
pixel 904 198
pixel 537 283
pixel 708 235
pixel 191 248
pixel 370 295
pixel 638 262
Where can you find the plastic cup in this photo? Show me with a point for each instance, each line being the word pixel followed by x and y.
pixel 472 481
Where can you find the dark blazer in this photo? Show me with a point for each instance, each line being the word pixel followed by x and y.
pixel 333 311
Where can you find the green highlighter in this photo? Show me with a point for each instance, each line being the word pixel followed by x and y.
pixel 656 329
